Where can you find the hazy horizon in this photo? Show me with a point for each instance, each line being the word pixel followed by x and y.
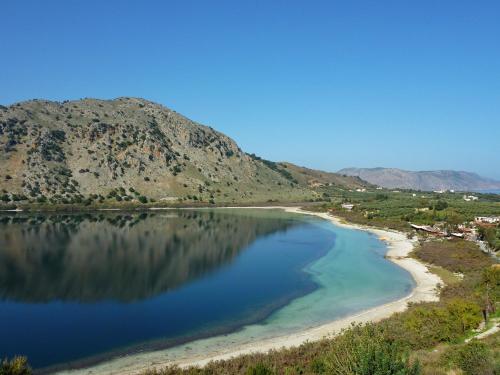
pixel 329 86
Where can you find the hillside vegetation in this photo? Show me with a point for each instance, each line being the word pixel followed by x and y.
pixel 129 150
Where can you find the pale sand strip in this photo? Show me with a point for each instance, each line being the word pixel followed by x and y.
pixel 399 246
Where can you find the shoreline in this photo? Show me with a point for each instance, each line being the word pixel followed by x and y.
pixel 399 247
pixel 135 207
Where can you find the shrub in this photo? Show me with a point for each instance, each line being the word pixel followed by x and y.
pixel 427 325
pixel 58 135
pixel 15 366
pixel 176 170
pixel 440 205
pixel 489 288
pixel 366 350
pixel 465 314
pixel 473 358
pixel 143 199
pixel 259 369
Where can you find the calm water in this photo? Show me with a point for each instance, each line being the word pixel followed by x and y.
pixel 83 288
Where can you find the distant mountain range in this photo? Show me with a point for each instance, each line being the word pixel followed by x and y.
pixel 393 178
pixel 130 149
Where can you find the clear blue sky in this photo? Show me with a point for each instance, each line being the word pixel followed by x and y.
pixel 326 84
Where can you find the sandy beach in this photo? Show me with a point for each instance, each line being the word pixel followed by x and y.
pixel 399 247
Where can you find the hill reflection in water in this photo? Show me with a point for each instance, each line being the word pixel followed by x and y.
pixel 81 288
pixel 121 257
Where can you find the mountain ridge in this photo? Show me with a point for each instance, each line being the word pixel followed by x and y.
pixel 433 180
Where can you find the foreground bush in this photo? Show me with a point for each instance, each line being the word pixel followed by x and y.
pixel 366 350
pixel 473 358
pixel 429 324
pixel 259 369
pixel 15 366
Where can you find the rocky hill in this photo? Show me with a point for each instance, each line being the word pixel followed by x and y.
pixel 95 151
pixel 425 180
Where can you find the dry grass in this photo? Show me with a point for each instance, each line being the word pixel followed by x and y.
pixel 455 256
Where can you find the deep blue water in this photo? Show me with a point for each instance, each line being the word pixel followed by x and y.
pixel 74 287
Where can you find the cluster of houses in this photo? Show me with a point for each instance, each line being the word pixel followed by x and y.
pixel 467 232
pixel 433 230
pixel 487 220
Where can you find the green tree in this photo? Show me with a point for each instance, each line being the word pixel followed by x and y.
pixel 464 313
pixel 488 290
pixel 41 199
pixel 440 205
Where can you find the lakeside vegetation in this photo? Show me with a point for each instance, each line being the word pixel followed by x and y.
pixel 395 210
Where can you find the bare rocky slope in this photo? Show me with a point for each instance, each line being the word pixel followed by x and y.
pixel 425 180
pixel 96 151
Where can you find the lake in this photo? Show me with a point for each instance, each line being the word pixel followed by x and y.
pixel 76 289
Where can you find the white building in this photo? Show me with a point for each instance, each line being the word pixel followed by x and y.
pixel 469 198
pixel 347 206
pixel 487 219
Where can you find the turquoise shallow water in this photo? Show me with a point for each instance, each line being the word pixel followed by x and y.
pixel 351 277
pixel 88 287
